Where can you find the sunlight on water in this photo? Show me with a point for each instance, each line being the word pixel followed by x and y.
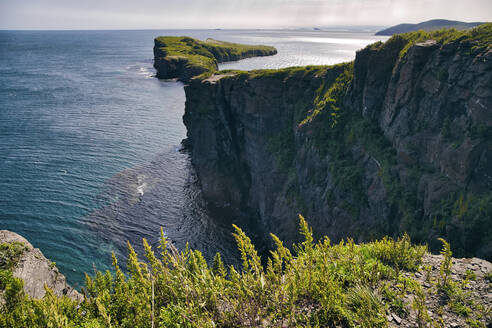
pixel 356 42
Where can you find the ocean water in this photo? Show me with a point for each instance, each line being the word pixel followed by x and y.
pixel 90 140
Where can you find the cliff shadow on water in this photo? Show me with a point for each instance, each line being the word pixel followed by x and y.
pixel 397 141
pixel 147 192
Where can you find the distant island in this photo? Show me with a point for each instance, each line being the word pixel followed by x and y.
pixel 430 25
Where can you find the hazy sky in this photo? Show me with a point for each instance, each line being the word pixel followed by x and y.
pixel 149 14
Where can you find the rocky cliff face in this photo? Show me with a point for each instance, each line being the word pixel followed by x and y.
pixel 399 140
pixel 36 270
pixel 434 107
pixel 234 123
pixel 175 67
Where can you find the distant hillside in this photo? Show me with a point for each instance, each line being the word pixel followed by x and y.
pixel 430 25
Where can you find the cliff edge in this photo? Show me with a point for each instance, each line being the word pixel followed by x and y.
pixel 29 264
pixel 398 140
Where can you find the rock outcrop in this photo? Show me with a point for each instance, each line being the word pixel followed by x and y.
pixel 473 277
pixel 37 271
pixel 399 140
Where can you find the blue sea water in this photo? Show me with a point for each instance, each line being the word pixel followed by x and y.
pixel 90 140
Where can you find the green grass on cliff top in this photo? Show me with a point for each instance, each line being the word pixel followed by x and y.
pixel 479 37
pixel 207 53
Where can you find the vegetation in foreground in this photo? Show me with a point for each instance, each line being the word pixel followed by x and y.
pixel 315 285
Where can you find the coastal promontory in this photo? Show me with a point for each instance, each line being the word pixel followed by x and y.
pixel 185 57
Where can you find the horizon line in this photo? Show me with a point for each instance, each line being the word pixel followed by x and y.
pixel 315 28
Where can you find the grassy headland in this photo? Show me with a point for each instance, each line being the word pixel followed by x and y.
pixel 185 57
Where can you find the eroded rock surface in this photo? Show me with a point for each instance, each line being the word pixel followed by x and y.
pixel 36 270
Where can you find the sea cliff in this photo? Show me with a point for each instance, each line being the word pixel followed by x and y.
pixel 399 140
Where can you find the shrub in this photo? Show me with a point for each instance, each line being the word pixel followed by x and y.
pixel 316 284
pixel 10 254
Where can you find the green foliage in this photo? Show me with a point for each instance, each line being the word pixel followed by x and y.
pixel 478 38
pixel 420 308
pixel 336 131
pixel 464 217
pixel 10 254
pixel 328 100
pixel 470 275
pixel 460 301
pixel 320 284
pixel 288 72
pixel 333 129
pixel 446 264
pixel 368 306
pixel 400 253
pixel 461 309
pixel 12 288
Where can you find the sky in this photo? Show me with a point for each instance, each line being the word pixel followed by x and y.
pixel 182 14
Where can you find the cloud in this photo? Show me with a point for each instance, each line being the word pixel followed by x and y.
pixel 115 14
